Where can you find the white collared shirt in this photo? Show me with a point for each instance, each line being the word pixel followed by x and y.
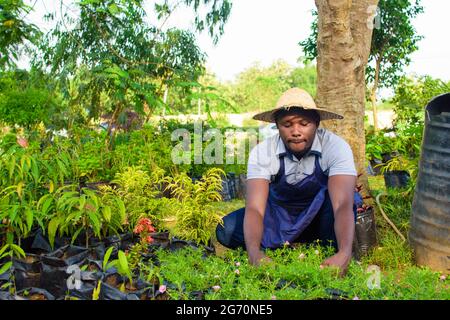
pixel 335 158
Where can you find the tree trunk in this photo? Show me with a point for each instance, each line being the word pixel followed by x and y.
pixel 111 124
pixel 373 96
pixel 343 46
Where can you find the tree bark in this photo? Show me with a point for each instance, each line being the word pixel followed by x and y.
pixel 343 46
pixel 373 95
pixel 111 127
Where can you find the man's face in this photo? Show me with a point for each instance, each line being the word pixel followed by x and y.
pixel 297 132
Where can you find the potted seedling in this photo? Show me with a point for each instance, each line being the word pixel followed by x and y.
pixel 395 172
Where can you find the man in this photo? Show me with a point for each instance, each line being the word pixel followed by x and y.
pixel 300 186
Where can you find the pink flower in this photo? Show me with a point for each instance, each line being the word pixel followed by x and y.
pixel 286 243
pixel 148 239
pixel 355 298
pixel 162 288
pixel 237 271
pixel 443 277
pixel 216 288
pixel 237 264
pixel 273 297
pixel 22 142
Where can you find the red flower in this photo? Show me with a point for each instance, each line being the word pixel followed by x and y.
pixel 149 239
pixel 138 229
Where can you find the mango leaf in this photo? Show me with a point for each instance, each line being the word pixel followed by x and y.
pixel 106 258
pixel 5 267
pixel 19 189
pixel 3 249
pixel 29 216
pixel 96 292
pixel 123 265
pixel 75 235
pixel 18 250
pixel 52 228
pixel 112 264
pixel 95 222
pixel 15 209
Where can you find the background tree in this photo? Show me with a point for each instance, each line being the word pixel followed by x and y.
pixel 344 31
pixel 121 61
pixel 14 31
pixel 392 44
pixel 394 39
pixel 28 99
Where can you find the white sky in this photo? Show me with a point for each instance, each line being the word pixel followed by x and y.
pixel 268 30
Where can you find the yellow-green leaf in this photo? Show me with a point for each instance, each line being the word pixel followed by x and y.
pixel 19 189
pixel 96 292
pixel 107 213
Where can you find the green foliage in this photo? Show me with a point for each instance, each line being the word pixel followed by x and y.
pixel 139 191
pixel 116 60
pixel 191 205
pixel 411 97
pixel 377 144
pixel 14 30
pixel 392 42
pixel 70 212
pixel 20 185
pixel 25 100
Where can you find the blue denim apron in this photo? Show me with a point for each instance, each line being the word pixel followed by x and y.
pixel 291 207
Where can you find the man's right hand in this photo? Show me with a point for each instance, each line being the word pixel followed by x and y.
pixel 258 257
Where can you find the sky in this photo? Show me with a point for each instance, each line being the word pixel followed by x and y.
pixel 268 30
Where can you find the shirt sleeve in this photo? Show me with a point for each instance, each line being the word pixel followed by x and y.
pixel 258 166
pixel 341 160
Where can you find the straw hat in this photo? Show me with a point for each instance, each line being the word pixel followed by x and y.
pixel 296 97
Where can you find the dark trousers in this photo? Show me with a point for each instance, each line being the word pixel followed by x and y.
pixel 231 233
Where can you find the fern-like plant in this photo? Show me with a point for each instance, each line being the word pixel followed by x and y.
pixel 195 217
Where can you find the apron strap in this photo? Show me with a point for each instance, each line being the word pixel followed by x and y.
pixel 276 177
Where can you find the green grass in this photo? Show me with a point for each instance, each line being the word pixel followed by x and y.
pixel 291 277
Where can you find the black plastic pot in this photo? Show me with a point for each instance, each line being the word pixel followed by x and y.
pixel 375 165
pixel 365 233
pixel 396 179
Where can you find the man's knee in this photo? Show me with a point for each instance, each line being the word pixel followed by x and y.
pixel 222 235
pixel 230 232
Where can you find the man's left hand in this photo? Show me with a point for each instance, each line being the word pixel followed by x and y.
pixel 340 261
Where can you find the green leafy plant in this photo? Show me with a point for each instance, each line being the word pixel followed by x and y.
pixel 194 214
pixel 20 184
pixel 7 253
pixel 139 192
pixel 72 212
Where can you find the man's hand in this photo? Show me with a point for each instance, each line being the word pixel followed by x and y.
pixel 258 258
pixel 340 261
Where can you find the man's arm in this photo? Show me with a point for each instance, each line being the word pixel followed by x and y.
pixel 341 189
pixel 257 193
